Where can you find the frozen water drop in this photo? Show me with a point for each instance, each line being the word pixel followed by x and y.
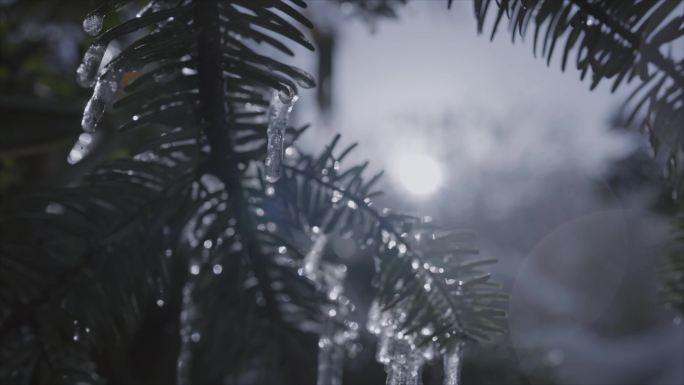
pixel 104 92
pixel 87 70
pixel 92 24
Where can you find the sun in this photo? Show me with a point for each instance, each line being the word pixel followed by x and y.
pixel 418 173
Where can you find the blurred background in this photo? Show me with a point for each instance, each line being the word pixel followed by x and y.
pixel 479 135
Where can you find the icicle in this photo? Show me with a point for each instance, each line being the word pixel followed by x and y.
pixel 405 365
pixel 83 146
pixel 330 357
pixel 452 365
pixel 104 92
pixel 92 24
pixel 279 110
pixel 188 334
pixel 87 71
pixel 402 359
pixel 332 340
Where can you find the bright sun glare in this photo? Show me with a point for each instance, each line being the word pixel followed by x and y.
pixel 420 174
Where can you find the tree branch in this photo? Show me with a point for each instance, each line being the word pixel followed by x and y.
pixel 223 161
pixel 638 44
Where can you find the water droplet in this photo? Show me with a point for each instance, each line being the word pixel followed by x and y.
pixel 194 269
pixel 217 269
pixel 336 196
pixel 188 71
pixel 291 152
pixel 54 208
pixel 270 191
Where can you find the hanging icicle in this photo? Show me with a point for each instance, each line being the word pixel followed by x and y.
pixel 405 365
pixel 279 111
pixel 397 350
pixel 83 147
pixel 453 361
pixel 402 359
pixel 333 340
pixel 87 70
pixel 330 357
pixel 104 92
pixel 188 334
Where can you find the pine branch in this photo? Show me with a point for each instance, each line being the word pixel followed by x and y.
pixel 384 223
pixel 212 106
pixel 637 43
pixel 222 161
pixel 417 268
